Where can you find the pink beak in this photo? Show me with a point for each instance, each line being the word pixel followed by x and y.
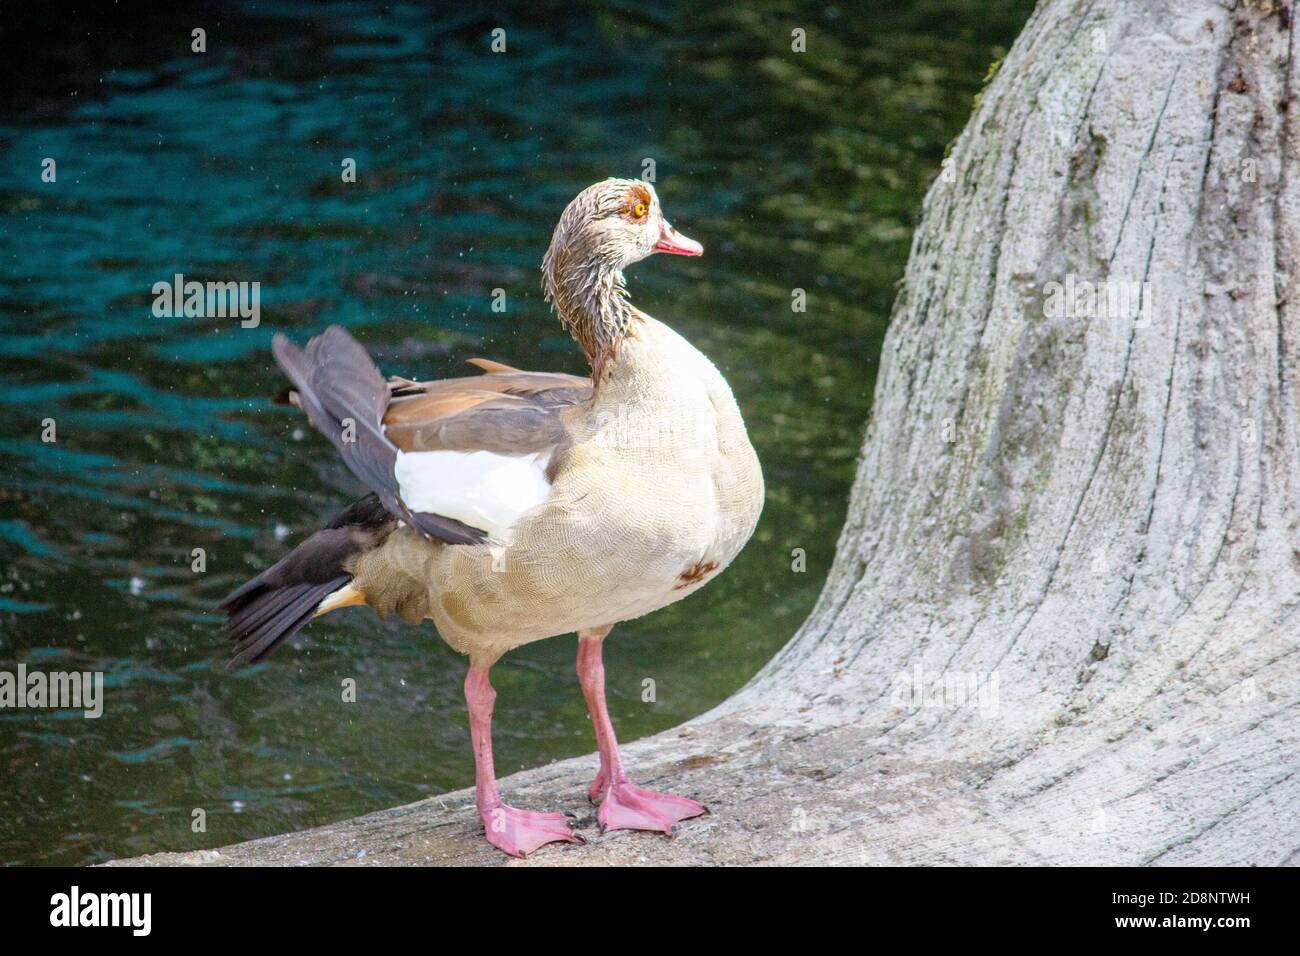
pixel 672 241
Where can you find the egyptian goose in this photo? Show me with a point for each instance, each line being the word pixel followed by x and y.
pixel 513 506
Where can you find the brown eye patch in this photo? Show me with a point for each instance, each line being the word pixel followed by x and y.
pixel 637 206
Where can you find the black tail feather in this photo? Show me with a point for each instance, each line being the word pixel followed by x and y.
pixel 284 612
pixel 263 613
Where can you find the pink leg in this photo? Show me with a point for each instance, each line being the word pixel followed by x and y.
pixel 518 832
pixel 625 805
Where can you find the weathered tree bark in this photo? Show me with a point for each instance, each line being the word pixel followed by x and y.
pixel 1098 517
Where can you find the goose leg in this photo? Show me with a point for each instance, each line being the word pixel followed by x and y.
pixel 624 806
pixel 518 832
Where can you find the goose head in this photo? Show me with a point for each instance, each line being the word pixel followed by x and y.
pixel 614 224
pixel 606 228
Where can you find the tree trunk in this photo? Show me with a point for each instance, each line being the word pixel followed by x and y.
pixel 1090 520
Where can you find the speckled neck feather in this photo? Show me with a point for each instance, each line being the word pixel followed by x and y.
pixel 582 277
pixel 592 305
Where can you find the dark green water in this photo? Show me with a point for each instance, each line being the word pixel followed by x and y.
pixel 794 170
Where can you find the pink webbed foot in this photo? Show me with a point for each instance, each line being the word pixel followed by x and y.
pixel 520 832
pixel 629 807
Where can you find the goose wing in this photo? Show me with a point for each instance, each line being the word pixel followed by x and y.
pixel 480 449
pixel 458 459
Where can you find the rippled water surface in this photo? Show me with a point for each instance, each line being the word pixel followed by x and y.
pixel 795 171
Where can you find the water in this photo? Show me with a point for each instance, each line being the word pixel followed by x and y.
pixel 795 171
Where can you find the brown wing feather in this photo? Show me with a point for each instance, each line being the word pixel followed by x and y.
pixel 488 365
pixel 435 403
pixel 506 411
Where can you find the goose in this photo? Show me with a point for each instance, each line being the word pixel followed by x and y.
pixel 512 506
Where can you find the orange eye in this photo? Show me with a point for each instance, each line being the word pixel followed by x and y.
pixel 640 209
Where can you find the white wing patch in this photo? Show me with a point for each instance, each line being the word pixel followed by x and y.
pixel 481 488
